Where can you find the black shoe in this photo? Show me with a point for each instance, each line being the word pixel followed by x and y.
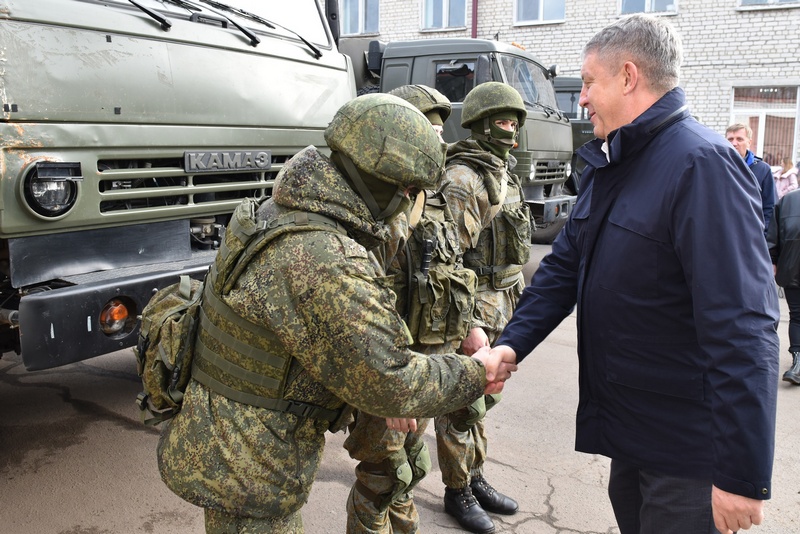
pixel 793 374
pixel 490 499
pixel 461 504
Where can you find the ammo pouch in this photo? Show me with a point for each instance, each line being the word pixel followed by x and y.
pixel 440 293
pixel 514 234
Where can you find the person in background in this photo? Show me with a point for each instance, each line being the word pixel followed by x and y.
pixel 785 178
pixel 393 458
pixel 783 240
pixel 740 136
pixel 493 224
pixel 677 309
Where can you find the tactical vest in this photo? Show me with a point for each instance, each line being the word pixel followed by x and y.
pixel 234 357
pixel 504 246
pixel 436 293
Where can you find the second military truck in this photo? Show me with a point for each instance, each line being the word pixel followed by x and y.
pixel 454 66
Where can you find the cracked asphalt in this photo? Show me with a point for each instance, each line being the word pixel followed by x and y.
pixel 74 458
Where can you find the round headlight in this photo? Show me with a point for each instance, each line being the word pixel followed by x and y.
pixel 49 193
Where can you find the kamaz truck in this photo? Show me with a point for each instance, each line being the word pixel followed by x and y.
pixel 130 131
pixel 454 66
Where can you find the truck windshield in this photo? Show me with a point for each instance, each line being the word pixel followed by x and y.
pixel 529 79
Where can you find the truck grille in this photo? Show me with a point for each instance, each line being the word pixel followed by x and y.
pixel 144 184
pixel 550 171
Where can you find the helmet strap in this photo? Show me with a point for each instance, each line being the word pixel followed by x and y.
pixel 366 194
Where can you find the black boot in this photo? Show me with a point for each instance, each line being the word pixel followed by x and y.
pixel 793 374
pixel 490 499
pixel 461 504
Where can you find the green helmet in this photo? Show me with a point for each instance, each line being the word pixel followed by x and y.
pixel 490 98
pixel 424 98
pixel 388 138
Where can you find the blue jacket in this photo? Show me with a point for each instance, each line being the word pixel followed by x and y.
pixel 676 304
pixel 766 183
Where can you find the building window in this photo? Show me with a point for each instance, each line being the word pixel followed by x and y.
pixel 767 2
pixel 648 6
pixel 770 112
pixel 538 10
pixel 444 14
pixel 359 16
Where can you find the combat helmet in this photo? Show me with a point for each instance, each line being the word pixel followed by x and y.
pixel 388 138
pixel 425 99
pixel 490 98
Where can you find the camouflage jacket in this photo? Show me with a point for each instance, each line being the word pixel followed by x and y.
pixel 328 301
pixel 472 185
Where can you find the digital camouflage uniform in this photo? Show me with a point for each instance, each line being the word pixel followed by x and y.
pixel 332 313
pixel 391 462
pixel 494 232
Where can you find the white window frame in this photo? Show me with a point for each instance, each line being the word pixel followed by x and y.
pixel 426 7
pixel 648 8
pixel 362 16
pixel 770 4
pixel 540 19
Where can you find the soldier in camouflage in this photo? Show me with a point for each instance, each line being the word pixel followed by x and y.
pixel 392 456
pixel 335 337
pixel 494 232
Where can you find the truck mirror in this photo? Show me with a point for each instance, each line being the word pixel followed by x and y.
pixel 483 70
pixel 553 71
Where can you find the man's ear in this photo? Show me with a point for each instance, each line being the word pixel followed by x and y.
pixel 631 73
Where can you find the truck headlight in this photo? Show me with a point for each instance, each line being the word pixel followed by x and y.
pixel 51 189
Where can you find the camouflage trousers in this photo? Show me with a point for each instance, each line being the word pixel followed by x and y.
pixel 380 501
pixel 218 522
pixel 461 454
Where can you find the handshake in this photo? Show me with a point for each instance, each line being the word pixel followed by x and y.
pixel 499 362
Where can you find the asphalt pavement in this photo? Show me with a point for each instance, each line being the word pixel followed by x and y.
pixel 76 460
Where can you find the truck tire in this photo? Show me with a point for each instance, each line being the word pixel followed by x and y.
pixel 544 235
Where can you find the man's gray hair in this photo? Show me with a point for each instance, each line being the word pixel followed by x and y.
pixel 651 43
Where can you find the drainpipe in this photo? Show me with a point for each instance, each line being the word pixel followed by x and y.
pixel 474 19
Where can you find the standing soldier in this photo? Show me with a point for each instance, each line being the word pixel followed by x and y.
pixel 247 444
pixel 494 231
pixel 435 298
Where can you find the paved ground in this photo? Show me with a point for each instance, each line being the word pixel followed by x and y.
pixel 75 460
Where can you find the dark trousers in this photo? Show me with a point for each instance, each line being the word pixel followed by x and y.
pixel 647 502
pixel 792 295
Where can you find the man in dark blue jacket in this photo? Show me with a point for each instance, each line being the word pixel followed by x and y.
pixel 740 137
pixel 677 308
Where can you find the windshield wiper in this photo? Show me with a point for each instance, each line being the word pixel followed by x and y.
pixel 547 109
pixel 163 21
pixel 191 6
pixel 261 20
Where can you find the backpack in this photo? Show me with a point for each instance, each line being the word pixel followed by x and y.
pixel 165 348
pixel 169 323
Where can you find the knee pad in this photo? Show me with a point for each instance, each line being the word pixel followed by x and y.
pixel 419 458
pixel 465 418
pixel 492 400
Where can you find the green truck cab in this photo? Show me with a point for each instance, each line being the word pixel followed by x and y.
pixel 130 131
pixel 454 66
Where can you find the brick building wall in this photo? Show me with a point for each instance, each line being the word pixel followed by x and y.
pixel 725 46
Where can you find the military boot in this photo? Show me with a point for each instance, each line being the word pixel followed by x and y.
pixel 793 374
pixel 490 499
pixel 461 504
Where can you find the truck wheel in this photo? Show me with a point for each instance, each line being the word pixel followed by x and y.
pixel 544 235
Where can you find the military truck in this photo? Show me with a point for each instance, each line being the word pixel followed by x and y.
pixel 568 93
pixel 454 66
pixel 130 131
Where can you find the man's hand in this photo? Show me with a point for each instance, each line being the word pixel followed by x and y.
pixel 475 340
pixel 401 424
pixel 499 362
pixel 735 512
